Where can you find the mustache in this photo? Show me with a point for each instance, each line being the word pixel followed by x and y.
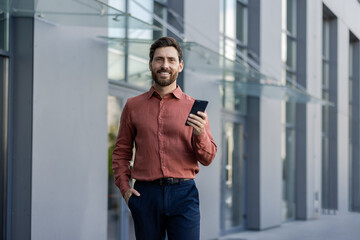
pixel 164 70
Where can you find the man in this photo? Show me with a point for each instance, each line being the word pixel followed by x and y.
pixel 164 198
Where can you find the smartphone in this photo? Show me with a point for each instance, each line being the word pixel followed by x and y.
pixel 199 105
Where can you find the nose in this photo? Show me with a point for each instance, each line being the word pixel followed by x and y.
pixel 165 64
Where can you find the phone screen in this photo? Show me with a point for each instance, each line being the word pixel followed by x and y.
pixel 199 105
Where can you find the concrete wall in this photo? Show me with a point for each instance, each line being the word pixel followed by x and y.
pixel 69 187
pixel 202 22
pixel 270 117
pixel 348 20
pixel 313 83
pixel 203 27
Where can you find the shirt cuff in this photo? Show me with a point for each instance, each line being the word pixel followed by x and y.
pixel 200 139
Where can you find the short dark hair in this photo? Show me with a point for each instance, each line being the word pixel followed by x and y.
pixel 165 42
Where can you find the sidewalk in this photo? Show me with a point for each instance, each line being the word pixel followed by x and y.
pixel 328 227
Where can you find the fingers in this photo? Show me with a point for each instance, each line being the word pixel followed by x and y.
pixel 198 122
pixel 135 192
pixel 128 194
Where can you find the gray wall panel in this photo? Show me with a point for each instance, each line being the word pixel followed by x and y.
pixel 22 126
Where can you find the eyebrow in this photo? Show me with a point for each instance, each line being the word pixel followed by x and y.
pixel 161 57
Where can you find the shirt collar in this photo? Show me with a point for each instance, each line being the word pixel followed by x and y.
pixel 177 93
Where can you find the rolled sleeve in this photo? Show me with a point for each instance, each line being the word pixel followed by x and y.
pixel 204 146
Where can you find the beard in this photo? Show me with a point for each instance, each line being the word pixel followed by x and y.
pixel 164 82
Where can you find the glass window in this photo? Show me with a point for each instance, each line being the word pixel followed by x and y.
pixel 325 114
pixel 354 136
pixel 329 116
pixel 4 25
pixel 289 53
pixel 233 42
pixel 128 60
pixel 289 176
pixel 291 17
pixel 241 20
pixel 351 46
pixel 233 185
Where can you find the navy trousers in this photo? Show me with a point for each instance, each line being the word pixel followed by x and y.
pixel 171 210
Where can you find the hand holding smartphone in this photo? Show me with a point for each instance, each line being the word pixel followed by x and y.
pixel 199 105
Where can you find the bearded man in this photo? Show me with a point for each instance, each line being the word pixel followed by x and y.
pixel 164 199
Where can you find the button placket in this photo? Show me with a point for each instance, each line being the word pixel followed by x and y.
pixel 160 136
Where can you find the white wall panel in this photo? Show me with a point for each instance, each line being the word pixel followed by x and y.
pixel 343 117
pixel 69 187
pixel 314 85
pixel 270 117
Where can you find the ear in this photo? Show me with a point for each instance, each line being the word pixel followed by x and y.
pixel 150 65
pixel 181 66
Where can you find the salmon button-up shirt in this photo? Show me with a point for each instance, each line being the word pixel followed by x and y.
pixel 165 147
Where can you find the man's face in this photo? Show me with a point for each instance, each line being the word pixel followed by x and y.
pixel 165 66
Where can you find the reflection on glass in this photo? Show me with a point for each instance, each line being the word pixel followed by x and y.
pixel 325 173
pixel 290 113
pixel 232 99
pixel 117 209
pixel 289 53
pixel 233 42
pixel 325 74
pixel 353 119
pixel 326 40
pixel 138 72
pixel 289 176
pixel 241 17
pixel 160 11
pixel 233 186
pixel 325 115
pixel 128 51
pixel 291 17
pixel 116 65
pixel 4 25
pixel 230 18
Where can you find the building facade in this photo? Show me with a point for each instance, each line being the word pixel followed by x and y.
pixel 281 78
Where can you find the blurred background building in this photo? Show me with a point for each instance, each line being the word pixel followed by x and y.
pixel 281 78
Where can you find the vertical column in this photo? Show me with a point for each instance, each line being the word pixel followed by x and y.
pixel 333 118
pixel 355 168
pixel 342 117
pixel 301 115
pixel 253 129
pixel 270 117
pixel 21 110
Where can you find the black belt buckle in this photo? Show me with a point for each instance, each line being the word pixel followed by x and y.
pixel 168 181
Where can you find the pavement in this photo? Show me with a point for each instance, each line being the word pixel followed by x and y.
pixel 327 227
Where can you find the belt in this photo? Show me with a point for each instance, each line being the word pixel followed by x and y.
pixel 169 181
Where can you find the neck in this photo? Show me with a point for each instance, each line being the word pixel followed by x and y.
pixel 163 90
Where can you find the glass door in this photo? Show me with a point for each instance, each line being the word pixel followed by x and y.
pixel 120 223
pixel 233 210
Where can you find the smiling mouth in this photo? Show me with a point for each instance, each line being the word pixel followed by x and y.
pixel 164 74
